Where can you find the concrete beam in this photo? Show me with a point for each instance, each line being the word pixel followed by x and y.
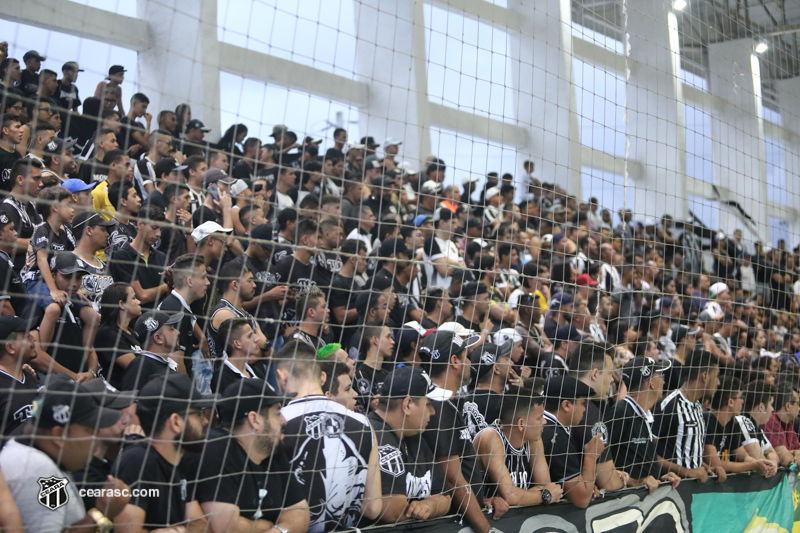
pixel 596 55
pixel 82 21
pixel 483 11
pixel 270 69
pixel 607 162
pixel 483 127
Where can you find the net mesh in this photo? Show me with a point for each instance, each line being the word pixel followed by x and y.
pixel 329 265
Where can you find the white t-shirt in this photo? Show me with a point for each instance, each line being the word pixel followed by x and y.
pixel 284 200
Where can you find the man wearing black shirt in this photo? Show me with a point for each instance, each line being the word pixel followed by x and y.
pixel 475 307
pixel 24 185
pixel 490 368
pixel 238 348
pixel 377 345
pixel 397 266
pixel 313 313
pixel 344 289
pixel 170 411
pixel 13 298
pixel 244 477
pixel 67 93
pixel 132 132
pixel 123 196
pixel 758 399
pixel 158 337
pixel 10 136
pixel 287 222
pixel 17 390
pixel 92 169
pixel 412 484
pixel 631 441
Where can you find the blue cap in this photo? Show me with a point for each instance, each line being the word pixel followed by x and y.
pixel 559 299
pixel 568 332
pixel 420 219
pixel 74 185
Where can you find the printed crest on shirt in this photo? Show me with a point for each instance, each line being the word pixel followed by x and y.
pixel 391 460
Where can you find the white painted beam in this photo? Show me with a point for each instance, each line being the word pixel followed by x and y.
pixel 483 11
pixel 483 127
pixel 610 163
pixel 83 21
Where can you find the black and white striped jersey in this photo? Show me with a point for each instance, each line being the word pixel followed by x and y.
pixel 751 433
pixel 517 461
pixel 681 430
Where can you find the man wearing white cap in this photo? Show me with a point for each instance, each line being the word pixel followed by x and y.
pixel 469 183
pixel 428 197
pixel 492 210
pixel 210 239
pixel 391 147
pixel 718 305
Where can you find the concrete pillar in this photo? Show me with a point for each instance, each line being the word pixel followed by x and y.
pixel 737 133
pixel 789 101
pixel 390 56
pixel 181 65
pixel 655 124
pixel 545 104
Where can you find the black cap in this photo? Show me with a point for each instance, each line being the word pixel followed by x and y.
pixel 195 124
pixel 68 263
pixel 4 220
pixel 166 394
pixel 65 402
pixel 407 381
pixel 31 54
pixel 473 289
pixel 108 396
pixel 393 246
pixel 567 388
pixel 568 332
pixel 641 369
pixel 439 346
pixel 150 322
pixel 261 233
pixel 369 141
pixel 246 395
pixel 485 356
pixel 57 145
pixel 86 219
pixel 165 165
pixel 116 69
pixel 14 324
pixel 443 213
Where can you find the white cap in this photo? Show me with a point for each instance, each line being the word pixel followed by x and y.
pixel 391 141
pixel 650 221
pixel 547 239
pixel 469 335
pixel 507 334
pixel 207 229
pixel 357 146
pixel 416 326
pixel 491 193
pixel 718 288
pixel 470 179
pixel 238 187
pixel 406 167
pixel 430 187
pixel 483 243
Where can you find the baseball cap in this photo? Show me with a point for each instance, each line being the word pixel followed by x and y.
pixel 213 175
pixel 640 369
pixel 57 145
pixel 74 185
pixel 166 394
pixel 718 288
pixel 90 219
pixel 393 246
pixel 557 237
pixel 4 220
pixel 33 54
pixel 491 193
pixel 64 402
pixel 558 300
pixel 150 322
pixel 391 141
pixel 237 187
pixel 471 338
pixel 568 332
pixel 436 164
pixel 261 233
pixel 470 179
pixel 206 229
pixel 483 357
pixel 229 180
pixel 165 165
pixel 584 279
pixel 247 395
pixel 431 187
pixel 405 336
pixel 382 181
pixel 14 324
pixel 106 395
pixel 195 124
pixel 507 335
pixel 369 142
pixel 68 263
pixel 407 381
pixel 71 65
pixel 439 346
pixel 443 213
pixel 567 388
pixel 420 219
pixel 116 69
pixel 406 168
pixel 473 289
pixel 278 129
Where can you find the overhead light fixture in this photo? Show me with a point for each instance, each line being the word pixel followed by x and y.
pixel 762 47
pixel 679 5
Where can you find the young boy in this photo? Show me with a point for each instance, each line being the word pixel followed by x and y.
pixel 55 206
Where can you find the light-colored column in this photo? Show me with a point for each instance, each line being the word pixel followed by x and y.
pixel 181 64
pixel 655 124
pixel 789 101
pixel 543 80
pixel 390 57
pixel 737 133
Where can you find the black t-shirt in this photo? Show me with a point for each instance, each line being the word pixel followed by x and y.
pixel 120 235
pixel 225 474
pixel 726 439
pixel 187 340
pixel 67 345
pixel 93 171
pixel 407 466
pixel 289 271
pixel 127 128
pixel 141 369
pixel 29 82
pixel 242 171
pixel 283 249
pixel 127 265
pixel 517 462
pixel 404 303
pixel 110 342
pixel 44 238
pixel 140 466
pixel 11 287
pixel 367 383
pixel 343 293
pixel 157 198
pixel 632 444
pixel 330 448
pixel 7 160
pixel 16 401
pixel 563 458
pixel 172 243
pixel 479 409
pixel 225 374
pixel 750 433
pixel 591 425
pixel 328 263
pixel 67 98
pixel 447 434
pixel 552 365
pixel 95 282
pixel 94 476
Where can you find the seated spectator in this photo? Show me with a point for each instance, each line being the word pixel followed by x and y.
pixel 170 411
pixel 17 388
pixel 115 342
pixel 239 349
pixel 91 232
pixel 313 313
pixel 338 385
pixel 25 184
pixel 490 367
pixel 67 418
pixel 340 466
pixel 158 336
pixel 632 445
pixel 756 411
pixel 14 301
pixel 474 305
pixel 377 345
pixel 678 420
pixel 780 427
pixel 569 465
pixel 412 485
pixel 67 330
pixel 344 289
pixel 126 201
pixel 566 341
pixel 10 137
pixel 93 169
pixel 232 489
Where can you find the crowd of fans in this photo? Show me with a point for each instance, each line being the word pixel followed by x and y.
pixel 259 336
